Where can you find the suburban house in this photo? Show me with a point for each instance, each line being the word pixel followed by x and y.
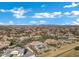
pixel 17 52
pixel 37 47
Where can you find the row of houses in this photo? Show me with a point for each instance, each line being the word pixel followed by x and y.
pixel 36 47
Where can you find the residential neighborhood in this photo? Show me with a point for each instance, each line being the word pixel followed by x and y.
pixel 32 41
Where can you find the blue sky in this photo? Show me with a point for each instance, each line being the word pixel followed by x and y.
pixel 37 13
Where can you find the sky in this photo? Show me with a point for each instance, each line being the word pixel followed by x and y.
pixel 39 13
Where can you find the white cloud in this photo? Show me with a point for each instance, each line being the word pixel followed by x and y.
pixel 73 22
pixel 17 12
pixel 72 5
pixel 75 13
pixel 8 23
pixel 33 22
pixel 1 23
pixel 43 5
pixel 11 22
pixel 71 14
pixel 47 15
pixel 56 14
pixel 41 15
pixel 2 10
pixel 38 22
pixel 66 13
pixel 42 22
pixel 76 22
